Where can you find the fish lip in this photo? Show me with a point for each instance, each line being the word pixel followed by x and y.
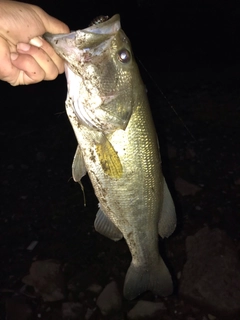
pixel 63 43
pixel 108 27
pixel 54 38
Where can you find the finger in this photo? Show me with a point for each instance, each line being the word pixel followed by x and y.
pixel 41 58
pixel 8 72
pixel 51 24
pixel 40 42
pixel 29 70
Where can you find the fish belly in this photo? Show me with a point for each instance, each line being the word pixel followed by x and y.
pixel 132 202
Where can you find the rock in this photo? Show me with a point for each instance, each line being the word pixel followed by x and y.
pixel 18 309
pixel 185 188
pixel 72 310
pixel 211 277
pixel 211 317
pixel 145 309
pixel 237 182
pixel 89 313
pixel 109 301
pixel 94 288
pixel 47 279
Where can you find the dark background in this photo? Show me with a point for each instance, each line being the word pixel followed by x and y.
pixel 181 35
pixel 190 51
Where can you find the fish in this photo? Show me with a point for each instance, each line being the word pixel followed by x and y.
pixel 118 148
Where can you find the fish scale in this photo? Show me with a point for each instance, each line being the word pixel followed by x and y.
pixel 109 111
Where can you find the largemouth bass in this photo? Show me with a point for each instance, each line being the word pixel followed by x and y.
pixel 118 147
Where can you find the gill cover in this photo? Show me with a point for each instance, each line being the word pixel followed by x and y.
pixel 98 70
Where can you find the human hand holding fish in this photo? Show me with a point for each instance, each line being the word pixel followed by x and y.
pixel 25 57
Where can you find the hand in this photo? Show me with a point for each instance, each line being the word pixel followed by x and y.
pixel 25 57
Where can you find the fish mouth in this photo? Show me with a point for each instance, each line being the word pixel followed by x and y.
pixel 66 44
pixel 63 44
pixel 54 38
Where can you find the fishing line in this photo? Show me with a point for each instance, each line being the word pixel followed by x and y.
pixel 166 99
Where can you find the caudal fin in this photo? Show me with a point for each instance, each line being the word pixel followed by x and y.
pixel 155 278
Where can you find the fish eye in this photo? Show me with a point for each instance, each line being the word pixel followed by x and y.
pixel 124 55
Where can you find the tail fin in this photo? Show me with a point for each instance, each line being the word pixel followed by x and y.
pixel 155 278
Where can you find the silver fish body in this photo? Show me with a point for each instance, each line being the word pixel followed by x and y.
pixel 108 108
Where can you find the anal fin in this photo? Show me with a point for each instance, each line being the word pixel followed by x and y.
pixel 79 169
pixel 106 227
pixel 168 220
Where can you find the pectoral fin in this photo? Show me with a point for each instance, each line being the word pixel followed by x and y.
pixel 78 166
pixel 109 159
pixel 105 226
pixel 168 220
pixel 79 170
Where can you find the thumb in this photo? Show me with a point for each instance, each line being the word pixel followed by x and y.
pixel 54 25
pixel 51 24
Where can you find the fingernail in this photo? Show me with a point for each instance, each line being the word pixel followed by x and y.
pixel 37 42
pixel 13 56
pixel 23 46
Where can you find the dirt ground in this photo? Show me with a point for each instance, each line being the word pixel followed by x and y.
pixel 40 201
